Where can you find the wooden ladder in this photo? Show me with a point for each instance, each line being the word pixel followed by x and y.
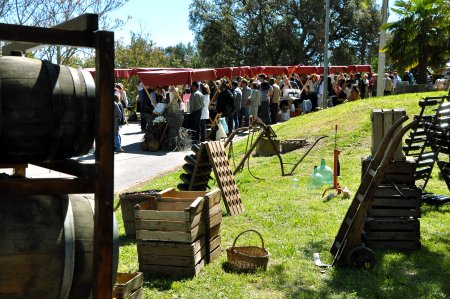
pixel 349 234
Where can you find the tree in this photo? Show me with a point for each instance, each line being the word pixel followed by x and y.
pixel 421 36
pixel 48 13
pixel 282 32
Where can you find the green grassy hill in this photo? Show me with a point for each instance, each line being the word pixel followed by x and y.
pixel 296 223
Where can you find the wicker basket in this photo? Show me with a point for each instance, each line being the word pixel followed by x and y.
pixel 248 257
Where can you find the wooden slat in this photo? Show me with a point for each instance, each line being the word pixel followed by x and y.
pixel 23 186
pixel 157 270
pixel 171 236
pixel 127 283
pixel 170 248
pixel 71 167
pixel 173 260
pixel 161 215
pixel 181 226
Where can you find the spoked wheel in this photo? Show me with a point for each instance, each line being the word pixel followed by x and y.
pixel 361 257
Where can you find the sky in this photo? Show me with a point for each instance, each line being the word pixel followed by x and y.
pixel 167 21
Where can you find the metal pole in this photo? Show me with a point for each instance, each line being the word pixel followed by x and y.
pixel 325 55
pixel 381 53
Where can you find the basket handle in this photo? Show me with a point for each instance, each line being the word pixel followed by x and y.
pixel 246 231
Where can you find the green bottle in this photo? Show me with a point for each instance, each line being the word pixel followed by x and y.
pixel 315 180
pixel 326 172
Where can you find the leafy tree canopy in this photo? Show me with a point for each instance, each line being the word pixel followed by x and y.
pixel 283 32
pixel 421 36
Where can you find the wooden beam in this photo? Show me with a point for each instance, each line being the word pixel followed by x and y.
pixel 24 186
pixel 46 36
pixel 104 155
pixel 84 23
pixel 71 167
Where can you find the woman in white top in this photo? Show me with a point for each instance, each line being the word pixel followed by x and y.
pixel 205 111
pixel 255 100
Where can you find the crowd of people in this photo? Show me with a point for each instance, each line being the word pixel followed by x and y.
pixel 240 99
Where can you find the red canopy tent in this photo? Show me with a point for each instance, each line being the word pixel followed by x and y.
pixel 306 70
pixel 175 77
pixel 118 73
pixel 360 68
pixel 228 72
pixel 276 70
pixel 244 71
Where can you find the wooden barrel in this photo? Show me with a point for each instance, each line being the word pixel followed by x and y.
pixel 46 110
pixel 46 248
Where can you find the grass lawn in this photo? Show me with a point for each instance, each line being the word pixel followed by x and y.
pixel 296 223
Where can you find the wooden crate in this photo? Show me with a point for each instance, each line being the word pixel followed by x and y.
pixel 398 172
pixel 170 258
pixel 127 203
pixel 382 120
pixel 128 286
pixel 170 219
pixel 265 147
pixel 391 224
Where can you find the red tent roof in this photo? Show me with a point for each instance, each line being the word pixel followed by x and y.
pixel 360 68
pixel 175 77
pixel 306 70
pixel 118 73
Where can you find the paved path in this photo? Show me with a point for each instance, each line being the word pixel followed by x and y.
pixel 131 167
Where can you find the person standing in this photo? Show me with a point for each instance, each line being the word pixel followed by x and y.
pixel 244 113
pixel 117 121
pixel 225 103
pixel 274 100
pixel 196 106
pixel 255 100
pixel 205 111
pixel 237 94
pixel 265 94
pixel 388 85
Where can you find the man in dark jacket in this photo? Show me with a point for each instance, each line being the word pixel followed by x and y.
pixel 225 103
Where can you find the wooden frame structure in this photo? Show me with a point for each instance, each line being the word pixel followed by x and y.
pixel 97 177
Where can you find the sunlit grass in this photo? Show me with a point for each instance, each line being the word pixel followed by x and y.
pixel 296 223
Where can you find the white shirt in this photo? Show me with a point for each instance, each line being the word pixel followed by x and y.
pixel 205 109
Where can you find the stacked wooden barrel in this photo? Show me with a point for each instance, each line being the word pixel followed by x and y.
pixel 46 241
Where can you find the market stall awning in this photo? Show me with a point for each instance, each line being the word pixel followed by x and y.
pixel 175 77
pixel 333 69
pixel 360 68
pixel 270 70
pixel 118 73
pixel 227 72
pixel 306 70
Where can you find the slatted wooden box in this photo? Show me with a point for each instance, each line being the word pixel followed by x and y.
pixel 172 216
pixel 388 202
pixel 391 233
pixel 398 172
pixel 169 245
pixel 382 120
pixel 128 286
pixel 391 222
pixel 171 258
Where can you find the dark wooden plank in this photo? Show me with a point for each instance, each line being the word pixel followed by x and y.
pixel 86 22
pixel 374 212
pixel 71 167
pixel 46 36
pixel 23 186
pixel 397 245
pixel 104 155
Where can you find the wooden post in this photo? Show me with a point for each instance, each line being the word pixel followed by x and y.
pixel 104 154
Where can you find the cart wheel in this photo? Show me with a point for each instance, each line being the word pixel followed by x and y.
pixel 361 257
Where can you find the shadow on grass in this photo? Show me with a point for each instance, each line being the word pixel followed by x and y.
pixel 420 273
pixel 125 240
pixel 428 208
